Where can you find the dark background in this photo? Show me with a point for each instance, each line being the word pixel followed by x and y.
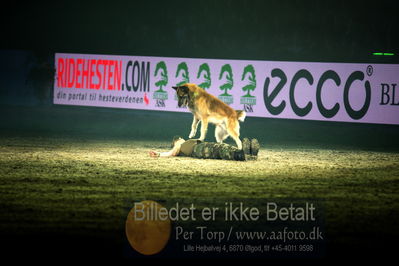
pixel 325 31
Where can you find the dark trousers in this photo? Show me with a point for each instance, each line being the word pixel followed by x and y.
pixel 212 150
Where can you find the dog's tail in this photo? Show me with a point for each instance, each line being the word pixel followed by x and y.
pixel 241 115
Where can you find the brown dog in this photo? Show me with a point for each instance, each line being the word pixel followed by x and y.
pixel 207 108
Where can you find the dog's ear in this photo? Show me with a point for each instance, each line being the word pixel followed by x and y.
pixel 175 88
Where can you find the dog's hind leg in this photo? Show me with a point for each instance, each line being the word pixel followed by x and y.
pixel 233 129
pixel 194 126
pixel 220 133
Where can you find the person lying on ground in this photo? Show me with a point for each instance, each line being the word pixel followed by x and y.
pixel 211 150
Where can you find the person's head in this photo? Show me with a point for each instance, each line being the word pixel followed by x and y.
pixel 176 139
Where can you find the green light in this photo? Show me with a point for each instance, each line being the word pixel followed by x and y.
pixel 383 54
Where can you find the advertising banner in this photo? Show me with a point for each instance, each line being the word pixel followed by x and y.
pixel 343 92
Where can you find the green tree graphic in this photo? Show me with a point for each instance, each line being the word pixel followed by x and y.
pixel 182 67
pixel 161 66
pixel 229 79
pixel 207 76
pixel 249 69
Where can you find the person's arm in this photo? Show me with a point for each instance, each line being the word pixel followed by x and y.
pixel 173 152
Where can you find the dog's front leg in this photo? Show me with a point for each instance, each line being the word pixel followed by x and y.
pixel 194 126
pixel 204 128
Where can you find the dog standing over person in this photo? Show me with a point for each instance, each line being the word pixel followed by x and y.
pixel 209 109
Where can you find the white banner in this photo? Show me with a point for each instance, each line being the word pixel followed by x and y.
pixel 345 92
